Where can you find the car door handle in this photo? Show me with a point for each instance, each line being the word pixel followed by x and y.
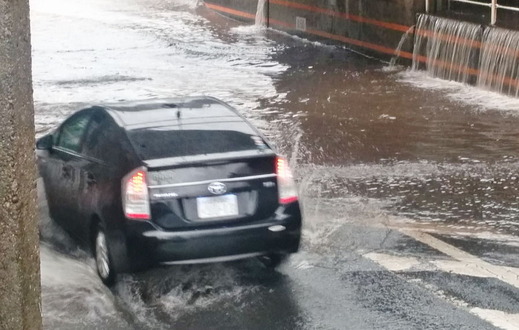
pixel 90 179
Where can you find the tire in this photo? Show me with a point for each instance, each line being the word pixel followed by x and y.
pixel 273 260
pixel 103 259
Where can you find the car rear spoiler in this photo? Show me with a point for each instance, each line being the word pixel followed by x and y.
pixel 162 163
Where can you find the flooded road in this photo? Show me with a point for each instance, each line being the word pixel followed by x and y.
pixel 382 155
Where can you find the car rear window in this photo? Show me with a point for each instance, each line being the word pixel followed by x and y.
pixel 154 143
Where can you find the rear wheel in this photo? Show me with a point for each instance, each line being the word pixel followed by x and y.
pixel 103 260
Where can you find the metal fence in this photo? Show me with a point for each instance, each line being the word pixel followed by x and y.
pixel 492 4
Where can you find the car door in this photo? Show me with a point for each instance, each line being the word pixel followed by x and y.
pixel 107 152
pixel 63 163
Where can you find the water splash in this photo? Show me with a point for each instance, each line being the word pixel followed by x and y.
pixel 162 296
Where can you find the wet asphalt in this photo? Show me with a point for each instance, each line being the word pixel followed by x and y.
pixel 381 155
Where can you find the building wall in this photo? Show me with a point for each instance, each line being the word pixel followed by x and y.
pixel 373 27
pixel 377 27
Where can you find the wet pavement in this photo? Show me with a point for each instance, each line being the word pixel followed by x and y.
pixel 409 184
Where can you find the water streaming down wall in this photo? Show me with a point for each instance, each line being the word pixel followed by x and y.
pixel 447 48
pixel 499 61
pixel 469 53
pixel 260 14
pixel 398 49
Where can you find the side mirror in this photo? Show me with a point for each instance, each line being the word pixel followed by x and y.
pixel 45 142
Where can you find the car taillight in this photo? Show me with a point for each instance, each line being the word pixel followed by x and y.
pixel 136 203
pixel 287 188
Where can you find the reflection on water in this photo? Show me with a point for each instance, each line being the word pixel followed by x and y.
pixel 361 131
pixel 126 53
pixel 473 195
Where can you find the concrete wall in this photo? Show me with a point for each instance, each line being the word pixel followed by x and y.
pixel 373 27
pixel 19 255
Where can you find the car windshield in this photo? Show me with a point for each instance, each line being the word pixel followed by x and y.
pixel 174 142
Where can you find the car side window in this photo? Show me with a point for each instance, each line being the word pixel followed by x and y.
pixel 72 131
pixel 103 140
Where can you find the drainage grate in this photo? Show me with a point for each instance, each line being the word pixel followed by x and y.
pixel 300 23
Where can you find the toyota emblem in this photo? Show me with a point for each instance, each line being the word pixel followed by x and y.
pixel 217 188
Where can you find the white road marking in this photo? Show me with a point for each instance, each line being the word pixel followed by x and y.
pixel 394 263
pixel 498 318
pixel 472 264
pixel 458 267
pixel 464 264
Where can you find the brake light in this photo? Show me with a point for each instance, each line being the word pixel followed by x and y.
pixel 287 188
pixel 136 203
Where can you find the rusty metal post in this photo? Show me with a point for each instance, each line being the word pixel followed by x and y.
pixel 493 12
pixel 20 306
pixel 267 15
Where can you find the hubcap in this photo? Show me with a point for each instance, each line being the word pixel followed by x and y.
pixel 102 255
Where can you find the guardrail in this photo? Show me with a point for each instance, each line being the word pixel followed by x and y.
pixel 492 4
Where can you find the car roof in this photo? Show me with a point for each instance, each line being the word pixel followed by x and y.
pixel 172 112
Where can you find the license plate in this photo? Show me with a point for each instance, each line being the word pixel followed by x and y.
pixel 217 206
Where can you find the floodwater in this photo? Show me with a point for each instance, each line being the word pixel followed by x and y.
pixel 366 142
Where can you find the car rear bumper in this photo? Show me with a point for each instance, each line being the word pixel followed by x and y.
pixel 218 244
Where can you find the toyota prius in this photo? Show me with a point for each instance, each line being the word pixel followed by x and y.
pixel 169 182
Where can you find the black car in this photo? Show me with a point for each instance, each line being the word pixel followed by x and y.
pixel 167 182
